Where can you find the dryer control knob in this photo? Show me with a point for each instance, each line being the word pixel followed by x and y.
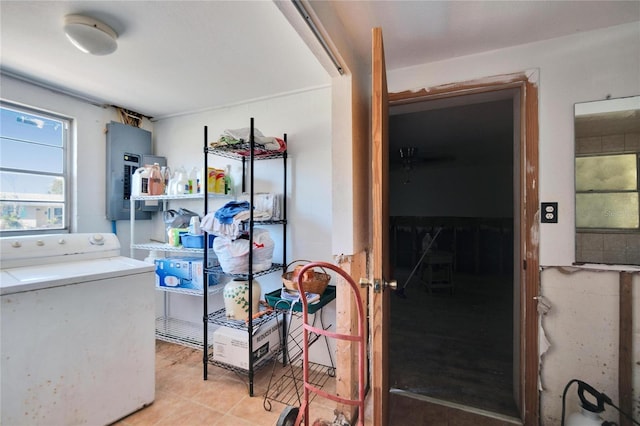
pixel 39 243
pixel 62 241
pixel 97 239
pixel 16 244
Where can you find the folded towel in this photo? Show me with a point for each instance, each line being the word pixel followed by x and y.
pixel 226 213
pixel 257 215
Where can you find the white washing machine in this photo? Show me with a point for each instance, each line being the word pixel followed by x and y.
pixel 77 324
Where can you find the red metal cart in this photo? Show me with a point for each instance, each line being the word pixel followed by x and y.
pixel 294 416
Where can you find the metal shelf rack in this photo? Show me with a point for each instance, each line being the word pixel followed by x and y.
pixel 181 332
pixel 248 152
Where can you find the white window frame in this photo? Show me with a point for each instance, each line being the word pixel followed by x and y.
pixel 66 168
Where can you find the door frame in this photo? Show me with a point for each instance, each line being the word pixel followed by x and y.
pixel 527 259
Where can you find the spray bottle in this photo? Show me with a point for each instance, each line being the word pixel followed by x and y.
pixel 590 410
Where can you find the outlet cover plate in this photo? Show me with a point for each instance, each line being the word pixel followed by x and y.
pixel 549 212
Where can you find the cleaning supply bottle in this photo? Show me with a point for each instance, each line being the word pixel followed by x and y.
pixel 219 186
pixel 182 181
pixel 199 177
pixel 194 226
pixel 140 182
pixel 136 182
pixel 153 255
pixel 193 181
pixel 228 184
pixel 156 180
pixel 165 171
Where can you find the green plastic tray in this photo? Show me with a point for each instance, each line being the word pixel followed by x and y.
pixel 275 301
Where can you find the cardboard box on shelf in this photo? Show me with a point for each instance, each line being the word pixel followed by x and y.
pixel 231 345
pixel 182 272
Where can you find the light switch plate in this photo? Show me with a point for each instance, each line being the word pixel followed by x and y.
pixel 549 212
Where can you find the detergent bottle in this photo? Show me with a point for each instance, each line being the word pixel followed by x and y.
pixel 156 181
pixel 165 171
pixel 181 182
pixel 219 185
pixel 140 182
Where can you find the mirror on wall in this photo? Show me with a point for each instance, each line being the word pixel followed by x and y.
pixel 607 181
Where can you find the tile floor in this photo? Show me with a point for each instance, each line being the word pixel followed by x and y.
pixel 184 398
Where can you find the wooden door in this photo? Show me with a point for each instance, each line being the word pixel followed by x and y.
pixel 380 265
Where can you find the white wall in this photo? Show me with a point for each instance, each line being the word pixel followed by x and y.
pixel 580 68
pixel 582 329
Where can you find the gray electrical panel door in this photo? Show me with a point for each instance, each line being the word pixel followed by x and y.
pixel 126 146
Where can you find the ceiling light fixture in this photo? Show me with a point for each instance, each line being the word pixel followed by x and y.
pixel 408 154
pixel 90 35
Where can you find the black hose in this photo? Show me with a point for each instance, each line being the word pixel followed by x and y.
pixel 602 396
pixel 624 414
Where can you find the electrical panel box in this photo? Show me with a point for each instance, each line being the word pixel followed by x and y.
pixel 126 147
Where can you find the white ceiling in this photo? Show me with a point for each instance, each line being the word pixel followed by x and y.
pixel 176 57
pixel 417 32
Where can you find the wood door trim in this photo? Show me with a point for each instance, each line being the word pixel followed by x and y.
pixel 530 256
pixel 379 301
pixel 490 84
pixel 529 213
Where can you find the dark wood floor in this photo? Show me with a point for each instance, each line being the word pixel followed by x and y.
pixel 455 347
pixel 416 410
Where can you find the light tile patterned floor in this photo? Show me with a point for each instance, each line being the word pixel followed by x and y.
pixel 184 398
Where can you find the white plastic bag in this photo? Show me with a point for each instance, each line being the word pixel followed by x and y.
pixel 233 255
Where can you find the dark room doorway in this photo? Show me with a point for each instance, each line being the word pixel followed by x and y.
pixel 451 190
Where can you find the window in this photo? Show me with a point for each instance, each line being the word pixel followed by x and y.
pixel 34 177
pixel 607 192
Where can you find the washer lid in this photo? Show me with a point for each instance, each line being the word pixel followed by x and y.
pixel 38 277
